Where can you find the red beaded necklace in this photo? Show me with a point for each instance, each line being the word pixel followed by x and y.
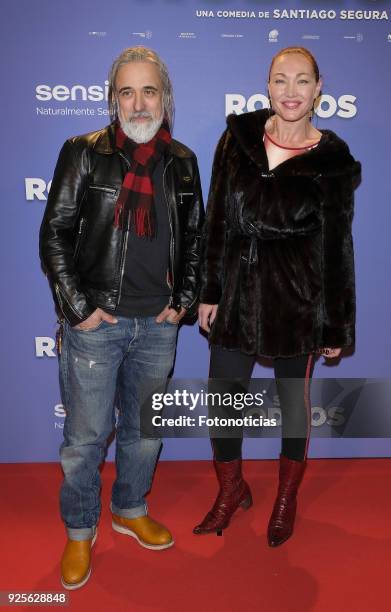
pixel 288 148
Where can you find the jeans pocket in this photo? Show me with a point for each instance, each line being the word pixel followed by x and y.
pixel 90 329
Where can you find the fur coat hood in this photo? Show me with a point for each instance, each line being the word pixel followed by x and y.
pixel 277 244
pixel 330 158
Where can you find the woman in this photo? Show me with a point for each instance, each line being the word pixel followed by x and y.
pixel 278 269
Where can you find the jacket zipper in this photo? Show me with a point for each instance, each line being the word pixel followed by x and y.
pixel 105 189
pixel 123 260
pixel 124 243
pixel 61 298
pixel 191 303
pixel 78 243
pixel 171 301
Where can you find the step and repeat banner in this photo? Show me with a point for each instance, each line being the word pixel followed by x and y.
pixel 56 57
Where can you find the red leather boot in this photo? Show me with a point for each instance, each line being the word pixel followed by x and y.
pixel 282 520
pixel 234 492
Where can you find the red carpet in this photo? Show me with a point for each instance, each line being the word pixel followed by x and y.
pixel 337 560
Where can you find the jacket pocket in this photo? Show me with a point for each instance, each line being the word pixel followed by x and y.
pixel 105 188
pixel 183 197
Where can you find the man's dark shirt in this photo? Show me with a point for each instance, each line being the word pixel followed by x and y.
pixel 145 290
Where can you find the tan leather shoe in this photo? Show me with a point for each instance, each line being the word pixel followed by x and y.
pixel 76 563
pixel 145 530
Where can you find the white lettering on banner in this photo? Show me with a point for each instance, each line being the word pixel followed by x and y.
pixel 364 15
pixel 36 189
pixel 254 99
pixel 303 14
pixel 319 416
pixel 62 93
pixel 66 111
pixel 336 416
pixel 234 103
pixel 237 14
pixel 327 106
pixel 205 14
pixel 44 346
pixel 296 14
pixel 345 107
pixel 59 411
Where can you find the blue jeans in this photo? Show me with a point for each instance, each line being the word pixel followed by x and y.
pixel 120 363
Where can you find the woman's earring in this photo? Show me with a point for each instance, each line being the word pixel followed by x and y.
pixel 312 111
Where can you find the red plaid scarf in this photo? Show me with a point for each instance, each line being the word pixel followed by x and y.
pixel 135 201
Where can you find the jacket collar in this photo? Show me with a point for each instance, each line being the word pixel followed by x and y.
pixel 103 142
pixel 330 158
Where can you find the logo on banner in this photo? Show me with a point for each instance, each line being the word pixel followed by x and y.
pixel 327 106
pixel 187 35
pixel 358 37
pixel 36 189
pixel 45 346
pixel 389 38
pixel 73 93
pixel 97 33
pixel 310 37
pixel 147 34
pixel 273 36
pixel 63 93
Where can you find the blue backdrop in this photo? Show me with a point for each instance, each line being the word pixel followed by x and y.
pixel 56 57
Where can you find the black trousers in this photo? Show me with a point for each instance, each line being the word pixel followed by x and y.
pixel 292 376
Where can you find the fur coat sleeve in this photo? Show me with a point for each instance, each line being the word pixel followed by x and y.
pixel 338 282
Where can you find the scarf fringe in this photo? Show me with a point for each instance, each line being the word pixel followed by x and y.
pixel 142 223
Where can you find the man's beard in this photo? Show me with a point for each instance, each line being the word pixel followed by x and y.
pixel 141 132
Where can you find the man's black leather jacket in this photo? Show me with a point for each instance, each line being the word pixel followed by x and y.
pixel 83 253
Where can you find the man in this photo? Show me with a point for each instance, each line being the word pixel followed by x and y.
pixel 119 243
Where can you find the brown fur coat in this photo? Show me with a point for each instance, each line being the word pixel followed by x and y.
pixel 277 246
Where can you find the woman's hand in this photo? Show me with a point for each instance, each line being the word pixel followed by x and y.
pixel 331 353
pixel 206 315
pixel 170 315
